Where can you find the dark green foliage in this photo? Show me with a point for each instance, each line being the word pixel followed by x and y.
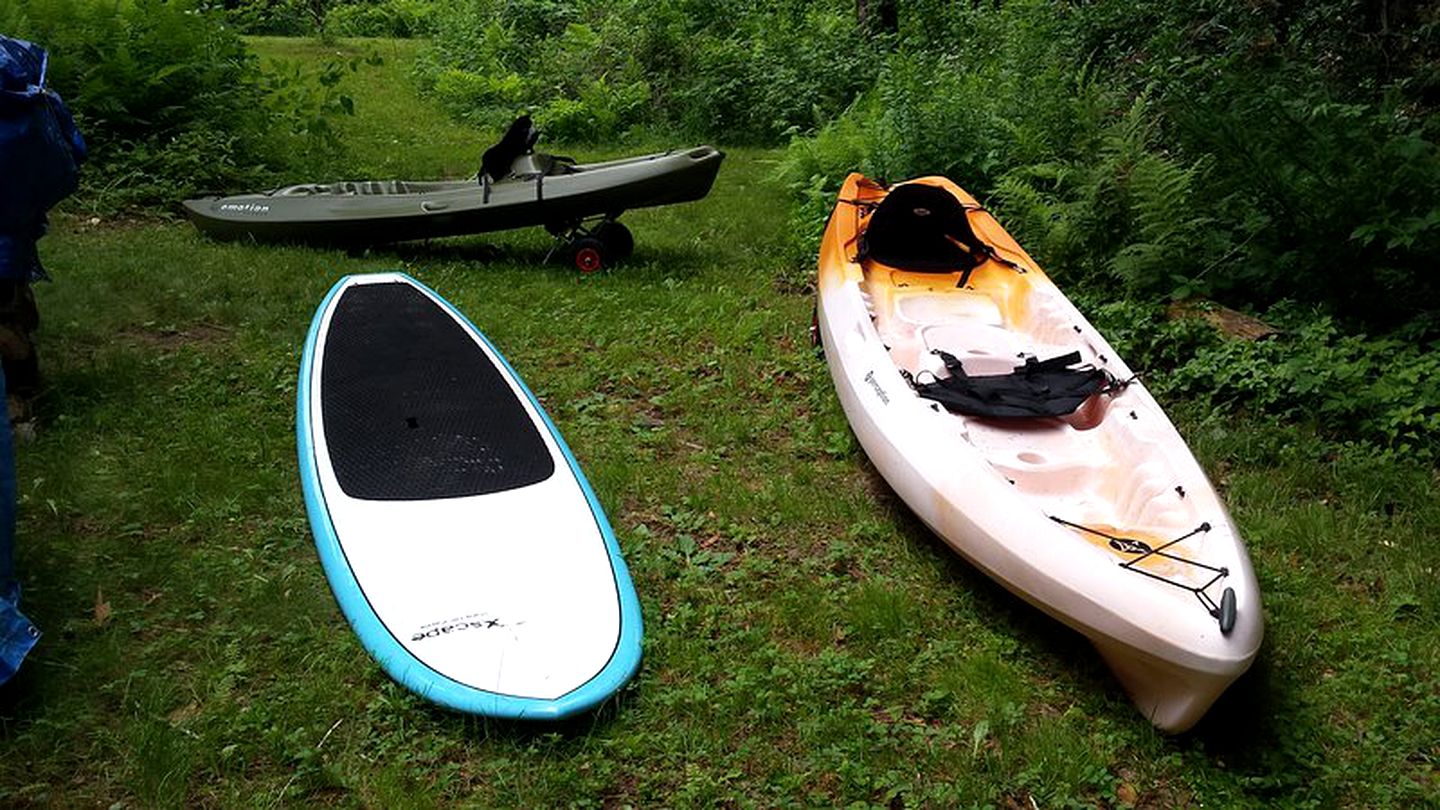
pixel 147 81
pixel 171 101
pixel 1320 119
pixel 1336 203
pixel 273 17
pixel 490 61
pixel 328 18
pixel 1251 153
pixel 390 18
pixel 1381 392
pixel 1353 47
pixel 727 70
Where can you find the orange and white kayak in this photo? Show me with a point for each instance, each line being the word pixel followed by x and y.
pixel 1014 430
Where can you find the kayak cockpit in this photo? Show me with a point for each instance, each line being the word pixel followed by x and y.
pixel 364 188
pixel 525 168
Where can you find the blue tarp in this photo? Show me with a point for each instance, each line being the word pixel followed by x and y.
pixel 40 154
pixel 17 634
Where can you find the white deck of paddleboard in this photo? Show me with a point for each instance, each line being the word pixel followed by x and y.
pixel 511 592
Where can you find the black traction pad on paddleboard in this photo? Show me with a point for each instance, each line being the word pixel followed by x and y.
pixel 413 409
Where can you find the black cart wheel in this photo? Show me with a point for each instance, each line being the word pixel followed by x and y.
pixel 617 238
pixel 588 254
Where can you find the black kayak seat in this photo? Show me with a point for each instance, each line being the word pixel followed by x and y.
pixel 541 163
pixel 925 229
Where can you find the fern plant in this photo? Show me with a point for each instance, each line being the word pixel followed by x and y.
pixel 1030 203
pixel 1169 228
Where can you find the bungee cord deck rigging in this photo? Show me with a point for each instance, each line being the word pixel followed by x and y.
pixel 1223 611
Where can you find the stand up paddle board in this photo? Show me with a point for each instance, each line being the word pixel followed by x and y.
pixel 458 534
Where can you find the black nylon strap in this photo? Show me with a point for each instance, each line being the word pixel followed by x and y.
pixel 1038 388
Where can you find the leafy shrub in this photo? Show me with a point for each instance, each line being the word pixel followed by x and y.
pixel 346 18
pixel 1153 343
pixel 467 94
pixel 597 107
pixel 302 101
pixel 792 68
pixel 813 169
pixel 1318 122
pixel 1332 203
pixel 723 69
pixel 1381 390
pixel 1125 216
pixel 390 18
pixel 1171 149
pixel 270 17
pixel 171 102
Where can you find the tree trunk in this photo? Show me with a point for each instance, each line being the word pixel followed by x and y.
pixel 317 9
pixel 877 16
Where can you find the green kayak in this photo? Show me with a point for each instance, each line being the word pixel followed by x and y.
pixel 537 189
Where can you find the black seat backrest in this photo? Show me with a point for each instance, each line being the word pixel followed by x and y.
pixel 923 228
pixel 519 140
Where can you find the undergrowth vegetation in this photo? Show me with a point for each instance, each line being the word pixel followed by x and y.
pixel 591 71
pixel 332 18
pixel 1169 166
pixel 1173 151
pixel 172 102
pixel 1367 393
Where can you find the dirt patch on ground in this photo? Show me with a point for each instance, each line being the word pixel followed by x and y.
pixel 172 338
pixel 1230 323
pixel 80 221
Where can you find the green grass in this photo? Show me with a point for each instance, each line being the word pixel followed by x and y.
pixel 392 134
pixel 808 641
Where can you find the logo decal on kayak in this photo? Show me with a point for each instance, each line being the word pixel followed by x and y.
pixel 879 392
pixel 245 208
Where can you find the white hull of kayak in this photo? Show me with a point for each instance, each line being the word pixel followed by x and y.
pixel 994 489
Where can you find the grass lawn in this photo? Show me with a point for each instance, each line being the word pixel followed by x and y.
pixel 807 640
